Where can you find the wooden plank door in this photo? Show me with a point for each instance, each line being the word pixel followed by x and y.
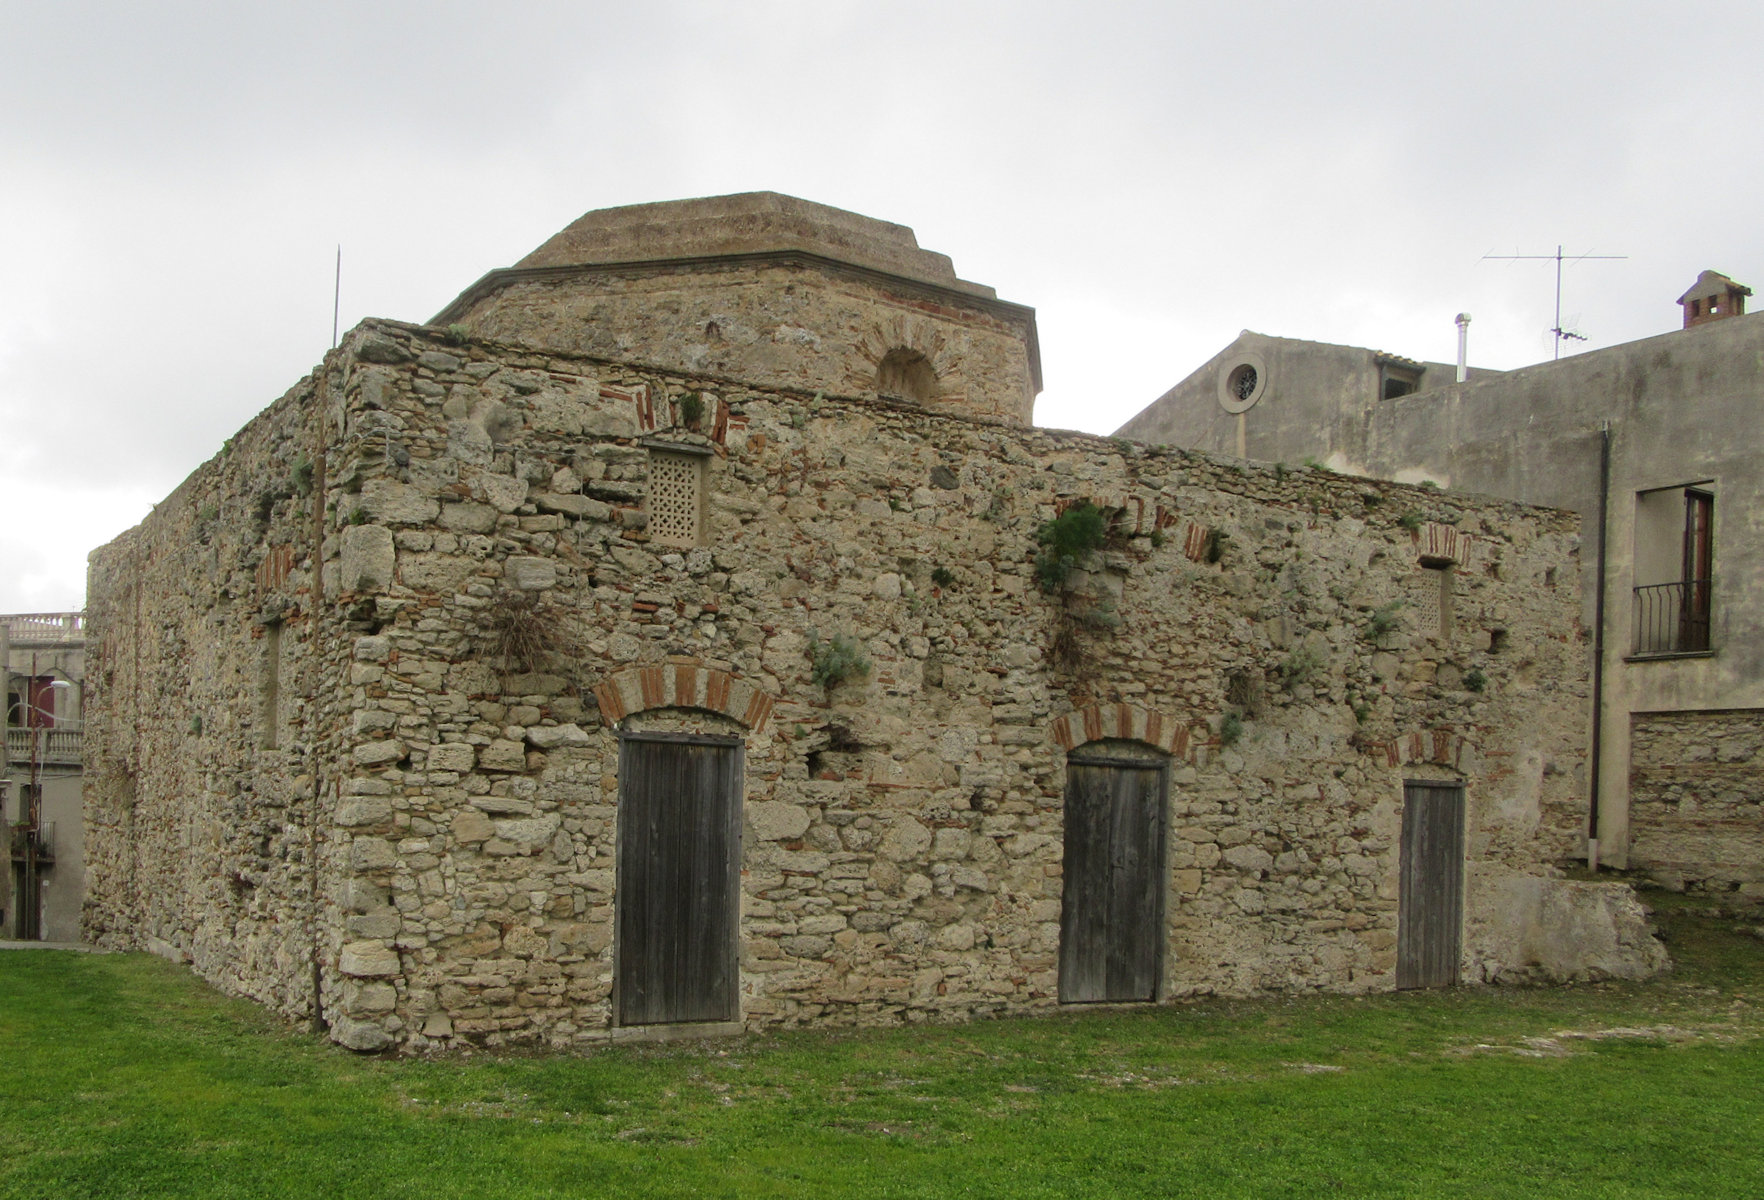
pixel 679 875
pixel 1430 905
pixel 1112 910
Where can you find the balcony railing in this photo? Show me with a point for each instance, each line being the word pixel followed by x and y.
pixel 44 629
pixel 57 747
pixel 1672 618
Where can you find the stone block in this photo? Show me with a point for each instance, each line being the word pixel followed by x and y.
pixel 580 507
pixel 371 854
pixel 368 959
pixel 369 560
pixel 364 810
pixel 906 840
pixel 378 754
pixel 504 493
pixel 471 827
pixel 381 923
pixel 773 821
pixel 359 1035
pixel 389 502
pixel 452 756
pixel 502 755
pixel 550 737
pixel 468 518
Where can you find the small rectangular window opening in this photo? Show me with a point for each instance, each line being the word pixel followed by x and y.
pixel 270 688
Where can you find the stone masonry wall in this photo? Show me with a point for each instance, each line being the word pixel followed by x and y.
pixel 1697 798
pixel 200 796
pixel 807 327
pixel 1271 630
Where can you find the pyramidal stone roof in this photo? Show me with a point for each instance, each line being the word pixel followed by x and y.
pixel 746 223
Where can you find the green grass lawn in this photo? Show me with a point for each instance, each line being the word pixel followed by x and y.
pixel 125 1076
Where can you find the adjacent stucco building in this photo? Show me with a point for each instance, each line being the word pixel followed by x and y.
pixel 1660 438
pixel 42 659
pixel 526 678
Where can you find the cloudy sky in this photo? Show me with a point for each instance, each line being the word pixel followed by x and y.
pixel 175 179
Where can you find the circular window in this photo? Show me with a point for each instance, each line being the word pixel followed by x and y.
pixel 1243 380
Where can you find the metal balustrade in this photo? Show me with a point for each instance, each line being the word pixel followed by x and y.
pixel 1672 618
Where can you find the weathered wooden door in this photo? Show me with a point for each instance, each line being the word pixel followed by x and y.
pixel 679 874
pixel 1112 912
pixel 1430 905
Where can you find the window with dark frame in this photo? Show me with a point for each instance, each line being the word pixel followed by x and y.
pixel 1674 571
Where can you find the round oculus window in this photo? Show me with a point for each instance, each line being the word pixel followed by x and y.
pixel 1242 381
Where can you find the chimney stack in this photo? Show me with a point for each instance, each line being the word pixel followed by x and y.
pixel 1712 297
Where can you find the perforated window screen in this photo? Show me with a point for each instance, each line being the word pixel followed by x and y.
pixel 1433 602
pixel 675 487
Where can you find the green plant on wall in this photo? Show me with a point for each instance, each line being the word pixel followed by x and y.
pixel 1410 520
pixel 1302 665
pixel 1475 680
pixel 841 660
pixel 1065 542
pixel 942 576
pixel 691 409
pixel 1383 620
pixel 1230 729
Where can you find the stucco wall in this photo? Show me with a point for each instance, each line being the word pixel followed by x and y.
pixel 1673 404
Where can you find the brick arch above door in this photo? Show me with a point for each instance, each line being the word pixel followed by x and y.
pixel 683 685
pixel 1122 720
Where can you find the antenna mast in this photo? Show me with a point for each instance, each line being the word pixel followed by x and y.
pixel 1561 334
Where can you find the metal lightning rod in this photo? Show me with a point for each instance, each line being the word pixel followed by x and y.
pixel 1561 334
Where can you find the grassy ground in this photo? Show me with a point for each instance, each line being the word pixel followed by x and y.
pixel 124 1076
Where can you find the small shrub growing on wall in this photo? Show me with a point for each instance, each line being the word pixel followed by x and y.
pixel 1475 680
pixel 1065 541
pixel 942 576
pixel 839 661
pixel 1384 620
pixel 525 633
pixel 1302 665
pixel 691 409
pixel 1230 730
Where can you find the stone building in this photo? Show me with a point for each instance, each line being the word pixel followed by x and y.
pixel 513 679
pixel 43 667
pixel 1658 436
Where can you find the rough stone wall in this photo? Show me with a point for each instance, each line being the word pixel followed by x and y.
pixel 1697 798
pixel 1269 629
pixel 816 328
pixel 200 832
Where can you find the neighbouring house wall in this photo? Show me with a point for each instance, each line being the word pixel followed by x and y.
pixel 1696 786
pixel 1672 404
pixel 1313 402
pixel 44 646
pixel 902 857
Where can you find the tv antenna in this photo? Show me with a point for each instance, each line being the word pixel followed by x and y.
pixel 1561 334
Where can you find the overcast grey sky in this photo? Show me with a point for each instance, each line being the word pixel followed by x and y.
pixel 1152 178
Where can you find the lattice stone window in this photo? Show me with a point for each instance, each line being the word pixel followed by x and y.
pixel 676 497
pixel 1433 599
